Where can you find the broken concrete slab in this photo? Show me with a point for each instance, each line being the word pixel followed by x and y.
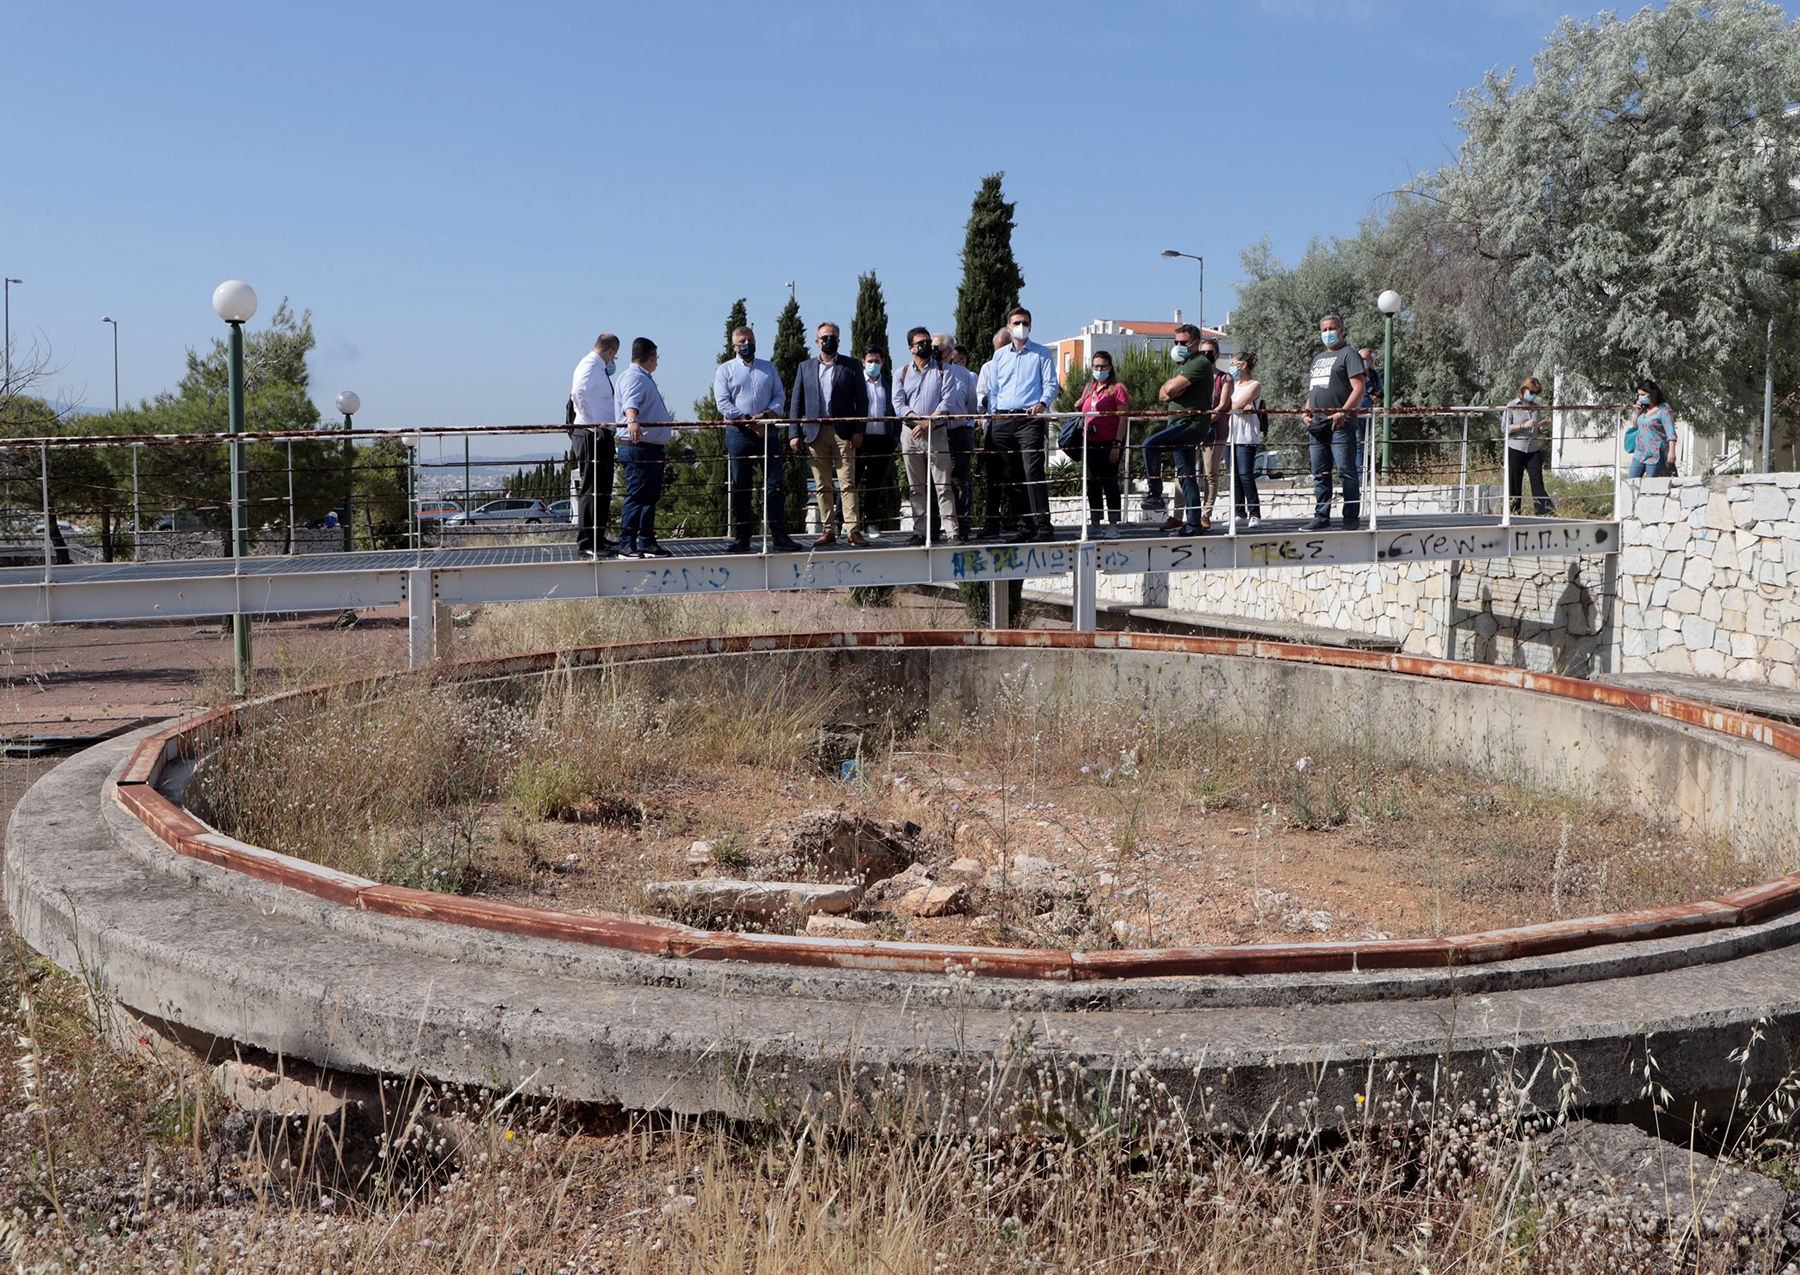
pixel 746 902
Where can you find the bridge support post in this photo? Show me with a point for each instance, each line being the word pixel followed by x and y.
pixel 1000 604
pixel 1087 587
pixel 421 616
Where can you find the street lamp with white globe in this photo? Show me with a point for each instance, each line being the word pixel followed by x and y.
pixel 349 403
pixel 1389 305
pixel 235 302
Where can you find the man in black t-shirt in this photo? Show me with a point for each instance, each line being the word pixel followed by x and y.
pixel 1334 391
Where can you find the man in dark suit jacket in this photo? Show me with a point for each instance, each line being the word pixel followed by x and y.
pixel 831 387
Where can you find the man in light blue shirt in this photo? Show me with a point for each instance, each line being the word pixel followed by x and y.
pixel 1022 385
pixel 643 447
pixel 748 392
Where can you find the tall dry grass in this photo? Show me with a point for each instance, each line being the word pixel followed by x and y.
pixel 112 1162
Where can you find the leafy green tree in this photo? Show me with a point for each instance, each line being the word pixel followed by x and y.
pixel 277 396
pixel 870 325
pixel 991 280
pixel 1634 198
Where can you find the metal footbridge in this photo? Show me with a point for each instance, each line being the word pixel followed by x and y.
pixel 427 578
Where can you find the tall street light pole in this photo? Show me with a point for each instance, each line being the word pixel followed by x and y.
pixel 115 328
pixel 235 302
pixel 8 291
pixel 1389 305
pixel 1200 312
pixel 349 403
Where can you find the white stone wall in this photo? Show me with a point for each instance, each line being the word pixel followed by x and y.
pixel 1707 577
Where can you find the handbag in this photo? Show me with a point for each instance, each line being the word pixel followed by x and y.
pixel 1069 437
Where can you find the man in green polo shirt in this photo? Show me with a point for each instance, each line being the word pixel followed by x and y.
pixel 1190 390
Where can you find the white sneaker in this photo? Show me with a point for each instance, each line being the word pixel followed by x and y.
pixel 1253 522
pixel 1112 531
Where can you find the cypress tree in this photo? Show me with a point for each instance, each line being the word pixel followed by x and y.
pixel 991 280
pixel 870 326
pixel 707 409
pixel 790 345
pixel 787 356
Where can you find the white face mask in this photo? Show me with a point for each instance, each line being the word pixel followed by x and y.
pixel 1021 331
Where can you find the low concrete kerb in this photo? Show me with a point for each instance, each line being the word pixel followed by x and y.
pixel 310 974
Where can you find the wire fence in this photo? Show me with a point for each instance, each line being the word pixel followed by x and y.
pixel 70 498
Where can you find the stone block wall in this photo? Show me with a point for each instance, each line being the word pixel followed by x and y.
pixel 1707 577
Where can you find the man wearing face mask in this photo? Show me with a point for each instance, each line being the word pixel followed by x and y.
pixel 1023 387
pixel 924 396
pixel 961 432
pixel 828 387
pixel 1001 505
pixel 875 458
pixel 748 392
pixel 1335 388
pixel 1192 390
pixel 592 446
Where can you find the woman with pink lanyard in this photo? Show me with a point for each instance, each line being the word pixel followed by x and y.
pixel 1102 400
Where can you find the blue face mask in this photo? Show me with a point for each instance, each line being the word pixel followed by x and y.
pixel 1101 373
pixel 612 365
pixel 1181 353
pixel 1331 338
pixel 872 371
pixel 1643 400
pixel 1531 396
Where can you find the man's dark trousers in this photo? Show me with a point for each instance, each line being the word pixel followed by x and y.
pixel 1001 504
pixel 961 439
pixel 1336 447
pixel 747 450
pixel 595 453
pixel 1021 441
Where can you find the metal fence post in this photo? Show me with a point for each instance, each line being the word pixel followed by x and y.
pixel 44 481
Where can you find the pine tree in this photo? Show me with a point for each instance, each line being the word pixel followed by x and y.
pixel 991 280
pixel 870 326
pixel 707 409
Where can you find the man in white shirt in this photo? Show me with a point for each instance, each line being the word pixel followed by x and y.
pixel 591 442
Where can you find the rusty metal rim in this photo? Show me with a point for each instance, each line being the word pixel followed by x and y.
pixel 186 835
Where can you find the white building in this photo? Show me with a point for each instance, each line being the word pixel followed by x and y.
pixel 1116 336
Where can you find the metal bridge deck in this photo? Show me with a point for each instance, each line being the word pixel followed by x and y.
pixel 334 581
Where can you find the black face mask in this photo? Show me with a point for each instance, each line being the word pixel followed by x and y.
pixel 746 350
pixel 828 345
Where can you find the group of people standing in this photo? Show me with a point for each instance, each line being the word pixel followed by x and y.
pixel 850 417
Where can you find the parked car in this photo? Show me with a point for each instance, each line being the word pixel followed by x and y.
pixel 62 524
pixel 439 511
pixel 1268 465
pixel 511 510
pixel 563 511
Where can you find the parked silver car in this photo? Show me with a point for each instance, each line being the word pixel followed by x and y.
pixel 510 510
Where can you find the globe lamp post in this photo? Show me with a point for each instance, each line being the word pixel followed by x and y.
pixel 235 302
pixel 1389 305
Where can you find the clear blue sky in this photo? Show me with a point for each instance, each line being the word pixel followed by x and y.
pixel 465 195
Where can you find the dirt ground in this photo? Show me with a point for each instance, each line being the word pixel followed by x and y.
pixel 1138 864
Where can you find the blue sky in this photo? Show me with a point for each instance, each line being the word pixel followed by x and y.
pixel 464 195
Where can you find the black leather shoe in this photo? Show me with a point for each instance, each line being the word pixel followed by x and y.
pixel 1023 537
pixel 1319 524
pixel 653 550
pixel 787 544
pixel 738 546
pixel 913 542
